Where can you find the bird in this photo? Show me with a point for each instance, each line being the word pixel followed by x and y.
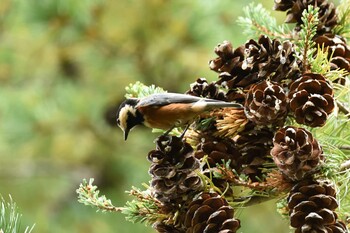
pixel 165 110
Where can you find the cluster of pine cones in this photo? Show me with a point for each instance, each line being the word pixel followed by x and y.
pixel 270 80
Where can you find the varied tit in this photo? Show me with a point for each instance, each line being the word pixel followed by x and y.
pixel 164 111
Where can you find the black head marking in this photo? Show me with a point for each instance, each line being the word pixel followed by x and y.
pixel 128 116
pixel 131 102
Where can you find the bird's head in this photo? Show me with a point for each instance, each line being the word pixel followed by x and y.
pixel 128 116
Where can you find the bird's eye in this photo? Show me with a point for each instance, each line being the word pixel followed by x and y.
pixel 118 121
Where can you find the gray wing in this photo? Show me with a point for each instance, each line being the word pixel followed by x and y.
pixel 169 98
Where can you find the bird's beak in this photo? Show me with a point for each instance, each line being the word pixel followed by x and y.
pixel 126 133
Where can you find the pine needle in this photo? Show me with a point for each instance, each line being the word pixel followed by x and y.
pixel 88 194
pixel 139 90
pixel 343 27
pixel 306 45
pixel 10 219
pixel 258 21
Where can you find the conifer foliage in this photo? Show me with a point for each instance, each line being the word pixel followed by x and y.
pixel 293 86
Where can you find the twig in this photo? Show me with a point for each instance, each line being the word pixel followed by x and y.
pixel 343 109
pixel 307 45
pixel 344 147
pixel 253 200
pixel 266 31
pixel 234 179
pixel 345 166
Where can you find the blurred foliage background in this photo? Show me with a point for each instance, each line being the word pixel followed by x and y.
pixel 63 68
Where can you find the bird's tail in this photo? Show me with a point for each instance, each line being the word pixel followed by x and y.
pixel 223 104
pixel 206 105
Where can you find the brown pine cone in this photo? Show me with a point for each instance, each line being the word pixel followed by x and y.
pixel 311 207
pixel 271 58
pixel 218 151
pixel 255 146
pixel 210 213
pixel 337 227
pixel 266 104
pixel 202 88
pixel 296 153
pixel 164 228
pixel 338 52
pixel 327 13
pixel 311 99
pixel 229 66
pixel 229 60
pixel 173 170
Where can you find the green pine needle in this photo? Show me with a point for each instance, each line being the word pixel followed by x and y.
pixel 145 209
pixel 321 64
pixel 343 27
pixel 306 45
pixel 258 21
pixel 139 90
pixel 333 137
pixel 10 219
pixel 88 194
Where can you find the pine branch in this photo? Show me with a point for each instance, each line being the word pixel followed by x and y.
pixel 332 136
pixel 226 173
pixel 343 26
pixel 139 90
pixel 308 30
pixel 321 63
pixel 10 219
pixel 145 208
pixel 89 195
pixel 258 21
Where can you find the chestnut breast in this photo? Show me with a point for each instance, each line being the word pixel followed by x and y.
pixel 165 117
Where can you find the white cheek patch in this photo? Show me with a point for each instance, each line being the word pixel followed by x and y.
pixel 123 116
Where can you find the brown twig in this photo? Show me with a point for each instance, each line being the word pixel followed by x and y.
pixel 344 147
pixel 345 166
pixel 343 109
pixel 253 200
pixel 266 31
pixel 229 176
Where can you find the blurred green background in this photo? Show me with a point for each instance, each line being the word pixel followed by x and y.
pixel 63 68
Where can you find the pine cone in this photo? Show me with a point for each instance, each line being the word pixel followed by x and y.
pixel 201 88
pixel 229 66
pixel 279 181
pixel 271 58
pixel 337 227
pixel 219 151
pixel 255 146
pixel 229 60
pixel 266 104
pixel 338 52
pixel 327 13
pixel 210 213
pixel 164 228
pixel 296 153
pixel 311 99
pixel 237 95
pixel 311 207
pixel 173 170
